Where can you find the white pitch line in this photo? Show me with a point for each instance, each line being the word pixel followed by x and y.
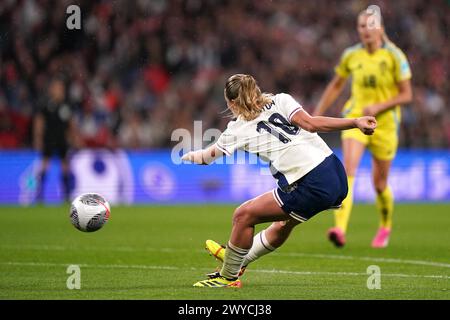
pixel 173 268
pixel 82 265
pixel 289 254
pixel 375 259
pixel 399 275
pixel 103 248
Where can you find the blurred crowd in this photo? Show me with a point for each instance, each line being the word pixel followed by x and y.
pixel 137 70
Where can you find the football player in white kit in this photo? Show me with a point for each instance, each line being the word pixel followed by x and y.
pixel 310 177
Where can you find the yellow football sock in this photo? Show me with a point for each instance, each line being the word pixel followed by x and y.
pixel 385 207
pixel 342 215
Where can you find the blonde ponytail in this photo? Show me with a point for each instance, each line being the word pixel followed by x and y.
pixel 386 39
pixel 243 91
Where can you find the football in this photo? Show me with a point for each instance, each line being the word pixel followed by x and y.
pixel 89 212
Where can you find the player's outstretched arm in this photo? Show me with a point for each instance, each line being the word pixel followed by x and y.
pixel 204 156
pixel 305 121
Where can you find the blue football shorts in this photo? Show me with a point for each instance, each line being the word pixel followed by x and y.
pixel 324 187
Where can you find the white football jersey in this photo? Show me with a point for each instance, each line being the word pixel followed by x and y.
pixel 291 151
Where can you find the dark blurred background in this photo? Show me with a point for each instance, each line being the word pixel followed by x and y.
pixel 137 70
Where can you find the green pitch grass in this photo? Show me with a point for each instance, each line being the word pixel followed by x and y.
pixel 157 253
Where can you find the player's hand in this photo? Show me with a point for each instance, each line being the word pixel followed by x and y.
pixel 188 156
pixel 366 124
pixel 194 156
pixel 372 110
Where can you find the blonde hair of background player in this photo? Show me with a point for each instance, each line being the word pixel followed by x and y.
pixel 377 20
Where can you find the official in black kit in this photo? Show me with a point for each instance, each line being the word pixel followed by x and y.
pixel 53 129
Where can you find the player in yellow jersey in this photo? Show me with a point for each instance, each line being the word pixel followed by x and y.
pixel 380 83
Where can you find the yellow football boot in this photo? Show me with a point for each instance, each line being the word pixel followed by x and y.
pixel 215 249
pixel 217 281
pixel 218 251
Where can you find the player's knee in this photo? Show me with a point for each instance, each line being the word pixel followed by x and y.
pixel 282 228
pixel 350 168
pixel 380 185
pixel 286 226
pixel 243 215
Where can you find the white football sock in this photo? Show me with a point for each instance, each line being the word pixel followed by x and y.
pixel 234 256
pixel 260 248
